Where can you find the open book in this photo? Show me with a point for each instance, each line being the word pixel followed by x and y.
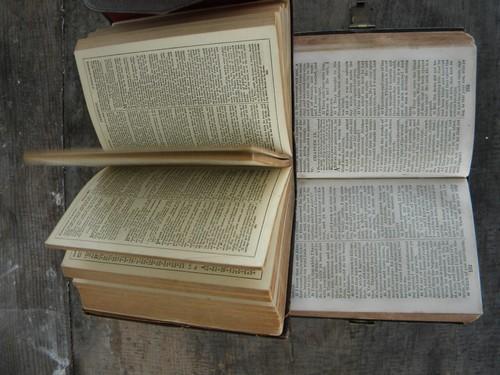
pixel 384 135
pixel 190 221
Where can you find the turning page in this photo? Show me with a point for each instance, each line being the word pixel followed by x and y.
pixel 221 215
pixel 384 105
pixel 384 246
pixel 218 89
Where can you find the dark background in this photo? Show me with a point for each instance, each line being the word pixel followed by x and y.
pixel 42 328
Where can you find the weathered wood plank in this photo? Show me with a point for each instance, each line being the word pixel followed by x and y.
pixel 483 22
pixel 34 314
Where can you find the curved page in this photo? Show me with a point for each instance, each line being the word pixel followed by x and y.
pixel 212 215
pixel 218 89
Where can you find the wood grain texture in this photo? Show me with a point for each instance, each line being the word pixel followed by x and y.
pixel 35 313
pixel 333 15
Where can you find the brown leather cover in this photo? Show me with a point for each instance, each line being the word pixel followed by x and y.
pixel 134 6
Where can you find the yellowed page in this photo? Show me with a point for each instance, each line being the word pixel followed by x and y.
pixel 217 89
pixel 166 273
pixel 168 269
pixel 385 246
pixel 149 267
pixel 385 109
pixel 213 215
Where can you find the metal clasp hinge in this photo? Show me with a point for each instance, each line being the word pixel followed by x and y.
pixel 360 14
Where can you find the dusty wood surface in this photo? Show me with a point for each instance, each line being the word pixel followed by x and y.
pixel 42 329
pixel 34 312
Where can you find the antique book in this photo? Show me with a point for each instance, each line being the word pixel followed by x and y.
pixel 190 220
pixel 384 126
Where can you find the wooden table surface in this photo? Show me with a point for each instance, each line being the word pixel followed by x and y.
pixel 42 328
